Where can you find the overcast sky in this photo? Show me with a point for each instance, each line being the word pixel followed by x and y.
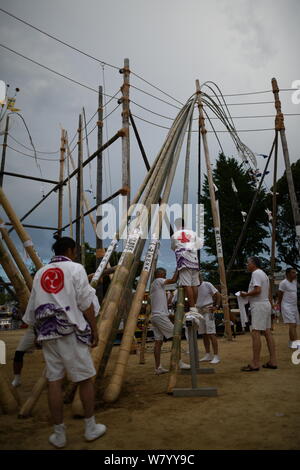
pixel 238 44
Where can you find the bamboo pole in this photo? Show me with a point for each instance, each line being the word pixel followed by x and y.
pixel 121 275
pixel 16 256
pixel 125 138
pixel 69 157
pixel 82 235
pixel 78 198
pixel 8 401
pixel 17 281
pixel 145 189
pixel 99 191
pixel 27 242
pixel 176 343
pixel 113 390
pixel 274 218
pixel 215 216
pixel 61 179
pixel 35 394
pixel 279 126
pixel 4 150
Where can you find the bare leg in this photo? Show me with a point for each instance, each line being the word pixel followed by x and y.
pixel 87 396
pixel 293 331
pixel 214 343
pixel 157 349
pixel 271 347
pixel 195 293
pixel 206 343
pixel 188 290
pixel 256 346
pixel 55 401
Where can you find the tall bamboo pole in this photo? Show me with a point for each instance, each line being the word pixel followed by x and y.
pixel 125 138
pixel 8 401
pixel 274 218
pixel 27 242
pixel 215 216
pixel 69 157
pixel 79 187
pixel 176 343
pixel 16 255
pixel 17 281
pixel 4 150
pixel 61 179
pixel 82 235
pixel 99 243
pixel 113 390
pixel 279 126
pixel 133 245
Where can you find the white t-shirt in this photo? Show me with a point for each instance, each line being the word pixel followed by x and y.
pixel 259 278
pixel 158 297
pixel 289 290
pixel 205 292
pixel 185 244
pixel 60 293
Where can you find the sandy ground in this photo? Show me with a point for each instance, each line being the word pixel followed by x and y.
pixel 258 410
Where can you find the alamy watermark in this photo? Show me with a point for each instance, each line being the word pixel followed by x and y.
pixel 144 220
pixel 2 352
pixel 296 93
pixel 296 354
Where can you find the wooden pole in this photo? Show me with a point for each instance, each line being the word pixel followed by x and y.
pixel 82 235
pixel 274 218
pixel 78 202
pixel 35 394
pixel 113 390
pixel 176 343
pixel 27 242
pixel 16 255
pixel 61 179
pixel 99 192
pixel 8 401
pixel 4 150
pixel 279 126
pixel 215 216
pixel 125 138
pixel 69 157
pixel 17 281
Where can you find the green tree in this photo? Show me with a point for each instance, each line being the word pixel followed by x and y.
pixel 285 226
pixel 231 204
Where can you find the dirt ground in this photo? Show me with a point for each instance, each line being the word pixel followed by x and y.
pixel 257 410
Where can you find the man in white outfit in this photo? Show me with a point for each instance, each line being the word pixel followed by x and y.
pixel 161 324
pixel 287 301
pixel 261 309
pixel 61 311
pixel 208 300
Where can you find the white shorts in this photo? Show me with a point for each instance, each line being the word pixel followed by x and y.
pixel 162 326
pixel 261 315
pixel 290 314
pixel 27 341
pixel 68 355
pixel 207 324
pixel 188 277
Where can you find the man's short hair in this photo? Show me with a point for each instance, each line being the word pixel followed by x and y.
pixel 62 245
pixel 255 260
pixel 160 271
pixel 288 270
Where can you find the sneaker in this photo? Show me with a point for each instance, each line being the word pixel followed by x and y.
pixel 215 360
pixel 93 430
pixel 207 358
pixel 58 438
pixel 183 365
pixel 160 371
pixel 17 381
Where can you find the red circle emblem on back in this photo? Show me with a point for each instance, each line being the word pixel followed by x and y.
pixel 52 280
